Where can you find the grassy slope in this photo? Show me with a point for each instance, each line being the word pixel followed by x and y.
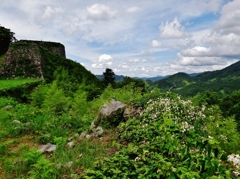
pixel 10 83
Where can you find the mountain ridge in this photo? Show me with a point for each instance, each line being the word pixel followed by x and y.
pixel 225 80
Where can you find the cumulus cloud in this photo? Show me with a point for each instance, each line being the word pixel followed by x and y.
pixel 99 12
pixel 221 44
pixel 229 21
pixel 196 51
pixel 225 37
pixel 172 30
pixel 103 61
pixel 156 44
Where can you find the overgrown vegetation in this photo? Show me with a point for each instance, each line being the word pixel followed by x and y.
pixel 171 137
pixel 223 81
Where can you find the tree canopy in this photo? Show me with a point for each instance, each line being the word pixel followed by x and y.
pixel 6 37
pixel 108 77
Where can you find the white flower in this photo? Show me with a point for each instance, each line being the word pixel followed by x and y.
pixel 235 159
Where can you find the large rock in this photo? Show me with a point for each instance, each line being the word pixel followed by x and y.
pixel 111 112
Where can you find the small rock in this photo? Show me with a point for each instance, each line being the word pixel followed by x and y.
pixel 16 122
pixel 70 144
pixel 69 164
pixel 83 134
pixel 92 126
pixel 88 136
pixel 98 131
pixel 48 148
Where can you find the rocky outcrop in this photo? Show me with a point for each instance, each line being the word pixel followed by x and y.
pixel 24 58
pixel 110 114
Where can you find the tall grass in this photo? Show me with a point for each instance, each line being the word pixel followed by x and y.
pixel 9 83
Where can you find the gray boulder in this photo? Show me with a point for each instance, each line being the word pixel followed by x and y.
pixel 109 111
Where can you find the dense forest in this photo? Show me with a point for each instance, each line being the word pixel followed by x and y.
pixel 55 127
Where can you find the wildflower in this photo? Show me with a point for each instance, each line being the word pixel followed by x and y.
pixel 236 174
pixel 185 126
pixel 235 159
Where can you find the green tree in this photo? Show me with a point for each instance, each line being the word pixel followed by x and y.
pixel 137 83
pixel 108 77
pixel 6 37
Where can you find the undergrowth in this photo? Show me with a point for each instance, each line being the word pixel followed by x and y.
pixel 171 138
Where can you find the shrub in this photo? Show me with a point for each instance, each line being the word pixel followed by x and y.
pixel 168 140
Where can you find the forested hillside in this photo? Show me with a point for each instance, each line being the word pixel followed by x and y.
pixel 221 81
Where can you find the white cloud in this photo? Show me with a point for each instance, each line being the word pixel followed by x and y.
pixel 99 12
pixel 97 65
pixel 133 9
pixel 220 46
pixel 172 30
pixel 134 60
pixel 105 58
pixel 225 36
pixel 196 51
pixel 103 61
pixel 156 44
pixel 229 21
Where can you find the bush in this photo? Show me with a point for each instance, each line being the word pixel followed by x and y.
pixel 169 140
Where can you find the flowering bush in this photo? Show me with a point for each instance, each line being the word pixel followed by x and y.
pixel 168 140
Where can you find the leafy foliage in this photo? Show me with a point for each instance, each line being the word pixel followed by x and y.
pixel 172 138
pixel 169 140
pixel 6 37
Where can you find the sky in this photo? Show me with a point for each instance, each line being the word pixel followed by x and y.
pixel 136 38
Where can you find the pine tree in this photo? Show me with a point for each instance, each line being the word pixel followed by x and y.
pixel 109 77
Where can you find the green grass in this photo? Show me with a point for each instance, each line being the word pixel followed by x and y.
pixel 10 83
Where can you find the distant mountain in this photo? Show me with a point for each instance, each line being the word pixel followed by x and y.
pixel 117 77
pixel 153 79
pixel 156 78
pixel 224 81
pixel 174 81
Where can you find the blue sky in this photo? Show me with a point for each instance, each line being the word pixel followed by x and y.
pixel 134 38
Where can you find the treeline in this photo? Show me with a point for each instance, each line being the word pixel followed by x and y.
pixel 228 104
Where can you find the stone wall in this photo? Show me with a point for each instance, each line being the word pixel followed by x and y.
pixel 24 58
